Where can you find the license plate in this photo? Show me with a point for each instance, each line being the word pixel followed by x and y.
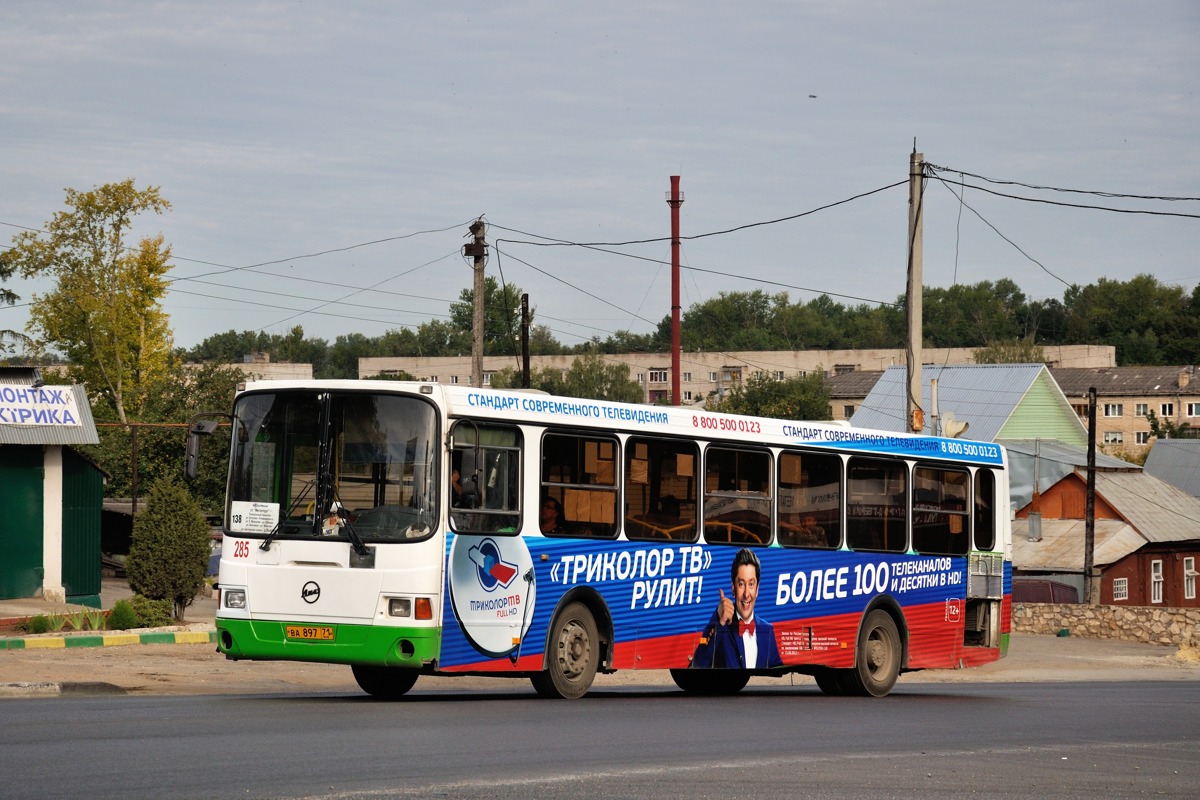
pixel 320 633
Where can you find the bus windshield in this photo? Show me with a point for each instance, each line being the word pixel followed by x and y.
pixel 334 465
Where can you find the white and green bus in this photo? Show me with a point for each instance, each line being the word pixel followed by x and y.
pixel 411 528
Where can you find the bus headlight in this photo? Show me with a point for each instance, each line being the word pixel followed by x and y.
pixel 234 598
pixel 400 607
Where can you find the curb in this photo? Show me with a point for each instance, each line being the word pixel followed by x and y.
pixel 108 640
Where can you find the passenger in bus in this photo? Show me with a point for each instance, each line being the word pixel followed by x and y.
pixel 735 638
pixel 553 520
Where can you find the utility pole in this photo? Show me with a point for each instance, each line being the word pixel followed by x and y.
pixel 1089 512
pixel 675 200
pixel 914 417
pixel 477 250
pixel 525 341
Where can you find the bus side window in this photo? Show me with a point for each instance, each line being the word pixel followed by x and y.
pixel 810 498
pixel 737 496
pixel 876 505
pixel 579 472
pixel 488 461
pixel 940 520
pixel 660 489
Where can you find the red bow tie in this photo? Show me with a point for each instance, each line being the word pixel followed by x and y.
pixel 745 627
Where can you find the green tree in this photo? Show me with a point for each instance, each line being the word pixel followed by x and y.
pixel 970 315
pixel 803 397
pixel 501 316
pixel 104 313
pixel 1014 351
pixel 229 347
pixel 590 376
pixel 1138 317
pixel 168 557
pixel 8 338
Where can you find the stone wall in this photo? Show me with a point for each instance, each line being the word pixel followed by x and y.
pixel 1148 624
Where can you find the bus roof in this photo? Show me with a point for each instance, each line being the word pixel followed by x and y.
pixel 540 408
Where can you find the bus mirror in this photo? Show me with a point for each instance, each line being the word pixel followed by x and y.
pixel 191 460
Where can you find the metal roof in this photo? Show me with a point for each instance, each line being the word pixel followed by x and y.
pixel 1176 461
pixel 1160 512
pixel 1126 381
pixel 1061 545
pixel 987 394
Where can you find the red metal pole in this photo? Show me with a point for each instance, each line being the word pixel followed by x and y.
pixel 675 201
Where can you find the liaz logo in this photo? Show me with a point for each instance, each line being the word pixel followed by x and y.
pixel 311 592
pixel 490 568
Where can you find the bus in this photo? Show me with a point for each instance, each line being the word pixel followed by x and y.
pixel 415 528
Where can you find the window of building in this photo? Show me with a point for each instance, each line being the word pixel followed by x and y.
pixel 453 379
pixel 687 377
pixel 1141 410
pixel 731 375
pixel 641 377
pixel 1081 410
pixel 487 378
pixel 1193 409
pixel 1156 581
pixel 1189 578
pixel 810 497
pixel 687 395
pixel 660 489
pixel 1120 589
pixel 1113 409
pixel 579 474
pixel 847 411
pixel 876 505
pixel 1166 410
pixel 842 369
pixel 1113 437
pixel 778 374
pixel 737 496
pixel 658 376
pixel 433 379
pixel 1142 437
pixel 712 376
pixel 759 374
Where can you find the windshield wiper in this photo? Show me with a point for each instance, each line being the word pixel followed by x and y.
pixel 355 540
pixel 266 543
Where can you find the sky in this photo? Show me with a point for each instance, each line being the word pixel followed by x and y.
pixel 324 160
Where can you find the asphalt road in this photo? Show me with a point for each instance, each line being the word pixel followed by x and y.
pixel 987 739
pixel 198 669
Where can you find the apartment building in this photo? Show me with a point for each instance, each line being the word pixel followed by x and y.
pixel 707 373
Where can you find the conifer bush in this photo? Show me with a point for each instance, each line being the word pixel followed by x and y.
pixel 122 616
pixel 168 557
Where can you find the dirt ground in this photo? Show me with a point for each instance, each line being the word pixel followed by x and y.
pixel 195 669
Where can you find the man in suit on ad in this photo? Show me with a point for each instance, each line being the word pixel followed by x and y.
pixel 735 638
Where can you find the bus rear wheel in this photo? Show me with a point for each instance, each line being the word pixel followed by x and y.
pixel 878 657
pixel 574 655
pixel 710 682
pixel 386 683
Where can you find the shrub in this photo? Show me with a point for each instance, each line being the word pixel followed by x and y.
pixel 151 613
pixel 168 557
pixel 122 617
pixel 38 624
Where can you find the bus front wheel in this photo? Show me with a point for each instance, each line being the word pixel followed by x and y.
pixel 386 683
pixel 574 655
pixel 878 656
